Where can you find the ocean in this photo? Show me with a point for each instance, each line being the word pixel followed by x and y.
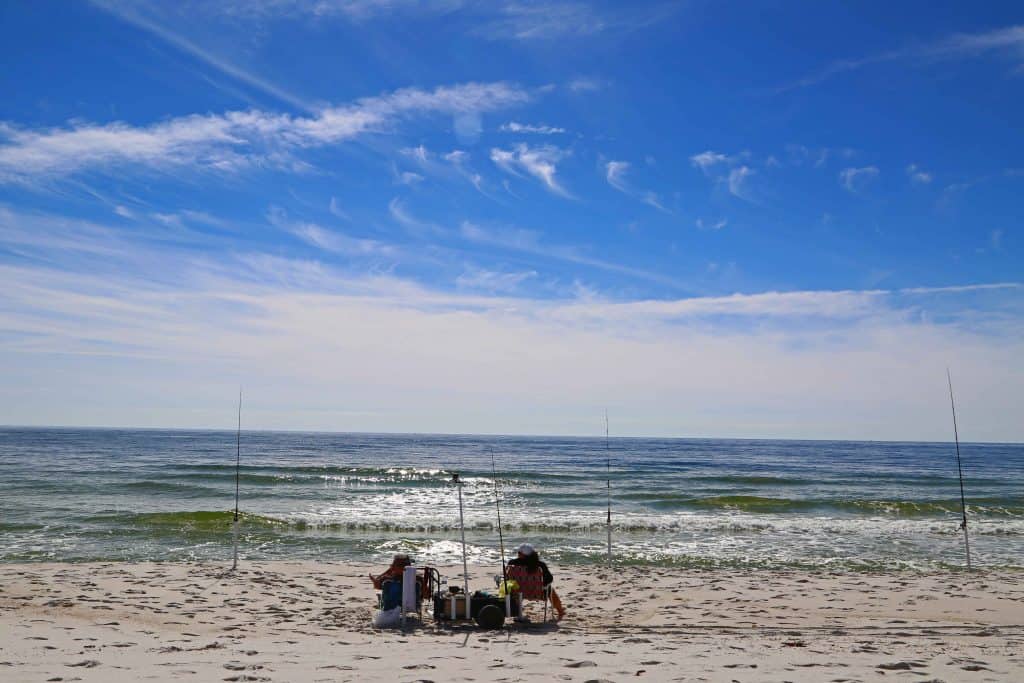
pixel 75 495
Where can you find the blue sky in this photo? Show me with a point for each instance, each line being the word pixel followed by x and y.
pixel 721 219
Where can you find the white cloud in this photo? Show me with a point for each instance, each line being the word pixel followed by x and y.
pixel 397 210
pixel 711 225
pixel 204 218
pixel 514 127
pixel 771 364
pixel 539 162
pixel 457 157
pixel 335 208
pixel 826 304
pixel 536 20
pixel 708 162
pixel 615 173
pixel 1007 42
pixel 583 84
pixel 529 242
pixel 408 178
pixel 544 20
pixel 141 15
pixel 233 140
pixel 739 182
pixel 652 199
pixel 171 220
pixel 505 160
pixel 727 169
pixel 857 179
pixel 493 281
pixel 521 20
pixel 358 10
pixel 917 175
pixel 798 155
pixel 460 160
pixel 328 240
pixel 418 153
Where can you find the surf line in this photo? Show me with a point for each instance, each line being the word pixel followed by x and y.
pixel 960 471
pixel 238 465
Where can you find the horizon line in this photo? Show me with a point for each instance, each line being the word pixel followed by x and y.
pixel 596 437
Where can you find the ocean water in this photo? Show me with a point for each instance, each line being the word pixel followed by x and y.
pixel 77 495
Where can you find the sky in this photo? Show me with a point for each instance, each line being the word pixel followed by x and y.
pixel 722 219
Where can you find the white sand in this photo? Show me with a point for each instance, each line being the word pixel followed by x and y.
pixel 311 622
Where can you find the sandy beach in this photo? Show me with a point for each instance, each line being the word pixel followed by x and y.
pixel 311 622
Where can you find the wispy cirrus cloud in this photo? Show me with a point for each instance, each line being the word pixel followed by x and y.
pixel 515 127
pixel 711 225
pixel 116 295
pixel 519 20
pixel 401 215
pixel 459 159
pixel 615 174
pixel 544 20
pixel 522 241
pixel 233 140
pixel 531 242
pixel 710 161
pixel 857 179
pixel 536 20
pixel 1007 42
pixel 728 170
pixel 799 155
pixel 147 16
pixel 584 84
pixel 325 9
pixel 918 176
pixel 739 182
pixel 251 314
pixel 325 238
pixel 540 162
pixel 486 280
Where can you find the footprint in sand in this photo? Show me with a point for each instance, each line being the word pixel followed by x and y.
pixel 85 664
pixel 901 666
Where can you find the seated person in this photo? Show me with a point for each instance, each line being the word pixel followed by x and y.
pixel 393 573
pixel 531 564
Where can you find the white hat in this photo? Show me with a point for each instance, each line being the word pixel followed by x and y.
pixel 526 549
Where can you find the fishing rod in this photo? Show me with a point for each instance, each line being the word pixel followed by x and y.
pixel 497 506
pixel 462 527
pixel 238 465
pixel 608 471
pixel 960 471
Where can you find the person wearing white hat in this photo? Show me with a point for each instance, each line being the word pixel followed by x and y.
pixel 529 559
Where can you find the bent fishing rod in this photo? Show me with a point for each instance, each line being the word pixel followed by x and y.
pixel 497 506
pixel 960 471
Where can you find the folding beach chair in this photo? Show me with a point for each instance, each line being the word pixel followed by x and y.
pixel 531 585
pixel 409 591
